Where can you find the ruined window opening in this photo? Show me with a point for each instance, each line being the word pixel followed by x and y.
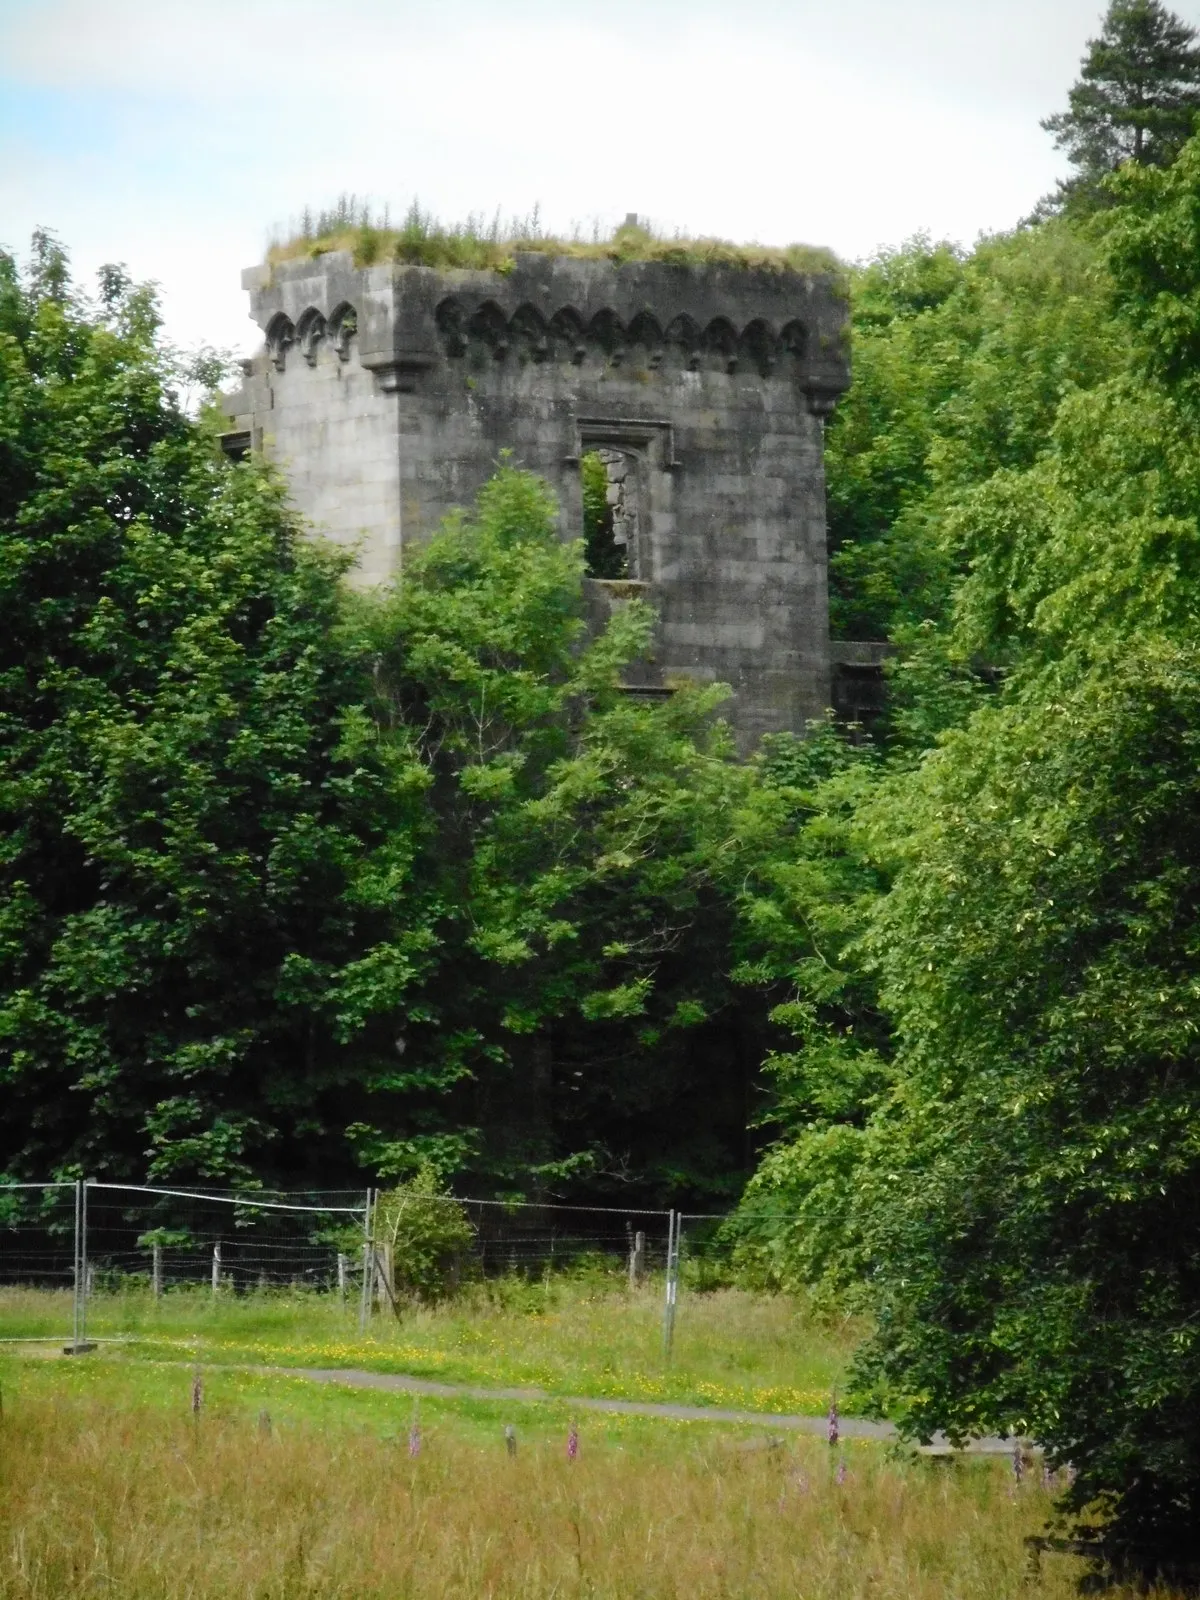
pixel 610 513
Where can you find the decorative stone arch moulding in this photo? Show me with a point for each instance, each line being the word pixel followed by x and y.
pixel 484 330
pixel 310 330
pixel 280 336
pixel 342 327
pixel 746 324
pixel 567 339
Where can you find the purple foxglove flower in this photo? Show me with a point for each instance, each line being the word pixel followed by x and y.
pixel 572 1442
pixel 414 1440
pixel 842 1474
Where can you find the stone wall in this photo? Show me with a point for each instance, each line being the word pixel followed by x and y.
pixel 386 395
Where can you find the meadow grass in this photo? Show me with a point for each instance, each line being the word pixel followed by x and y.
pixel 109 1486
pixel 732 1348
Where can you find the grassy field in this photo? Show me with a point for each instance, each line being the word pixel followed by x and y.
pixel 732 1348
pixel 110 1487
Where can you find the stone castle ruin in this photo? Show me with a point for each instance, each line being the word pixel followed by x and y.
pixel 386 395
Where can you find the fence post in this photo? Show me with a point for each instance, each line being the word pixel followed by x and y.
pixel 342 1268
pixel 87 1271
pixel 637 1260
pixel 673 1222
pixel 216 1270
pixel 156 1271
pixel 79 1339
pixel 77 1270
pixel 384 1277
pixel 364 1304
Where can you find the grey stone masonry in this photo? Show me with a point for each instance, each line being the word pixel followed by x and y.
pixel 387 394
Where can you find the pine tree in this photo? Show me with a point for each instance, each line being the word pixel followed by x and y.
pixel 1136 99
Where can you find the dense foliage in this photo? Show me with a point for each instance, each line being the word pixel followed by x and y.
pixel 569 856
pixel 960 365
pixel 1012 1183
pixel 191 816
pixel 294 879
pixel 1136 99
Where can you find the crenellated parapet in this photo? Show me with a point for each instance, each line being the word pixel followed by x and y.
pixel 563 310
pixel 387 393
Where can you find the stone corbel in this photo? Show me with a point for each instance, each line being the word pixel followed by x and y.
pixel 399 374
pixel 823 384
pixel 822 402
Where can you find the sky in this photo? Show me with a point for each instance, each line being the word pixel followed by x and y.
pixel 176 136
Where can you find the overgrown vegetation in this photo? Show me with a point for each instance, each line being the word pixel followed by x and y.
pixel 292 880
pixel 420 1234
pixel 108 1484
pixel 424 241
pixel 1008 1176
pixel 295 880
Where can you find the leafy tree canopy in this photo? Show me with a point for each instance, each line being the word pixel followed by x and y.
pixel 1009 1181
pixel 960 366
pixel 294 879
pixel 1153 243
pixel 1136 98
pixel 193 807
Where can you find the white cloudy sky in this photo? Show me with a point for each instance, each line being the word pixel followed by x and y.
pixel 172 134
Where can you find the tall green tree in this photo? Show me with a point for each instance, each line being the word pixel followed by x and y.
pixel 199 830
pixel 291 879
pixel 587 855
pixel 1026 1210
pixel 1012 1185
pixel 1136 98
pixel 961 364
pixel 805 903
pixel 1026 1202
pixel 1152 240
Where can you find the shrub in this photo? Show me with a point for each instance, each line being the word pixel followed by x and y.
pixel 424 1232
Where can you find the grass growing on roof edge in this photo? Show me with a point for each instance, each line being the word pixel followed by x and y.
pixel 423 240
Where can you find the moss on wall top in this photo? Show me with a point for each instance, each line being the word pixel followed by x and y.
pixel 421 240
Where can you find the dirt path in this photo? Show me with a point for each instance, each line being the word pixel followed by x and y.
pixel 849 1427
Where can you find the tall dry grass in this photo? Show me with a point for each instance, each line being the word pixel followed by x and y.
pixel 101 1501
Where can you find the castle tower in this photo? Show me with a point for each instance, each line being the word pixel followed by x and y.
pixel 386 394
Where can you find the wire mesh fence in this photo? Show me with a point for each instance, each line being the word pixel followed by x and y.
pixel 37 1235
pixel 164 1238
pixel 95 1239
pixel 533 1238
pixel 705 1249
